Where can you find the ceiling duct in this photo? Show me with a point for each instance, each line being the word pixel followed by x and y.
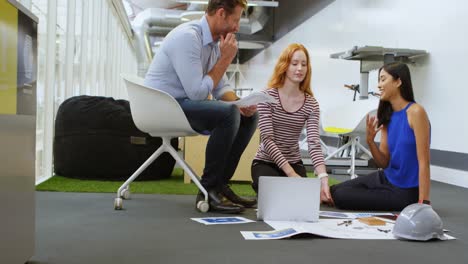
pixel 255 21
pixel 154 21
pixel 159 22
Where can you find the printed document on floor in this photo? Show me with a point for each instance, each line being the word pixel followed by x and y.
pixel 254 99
pixel 222 220
pixel 331 228
pixel 265 235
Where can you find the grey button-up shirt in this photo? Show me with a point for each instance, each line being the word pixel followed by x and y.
pixel 181 64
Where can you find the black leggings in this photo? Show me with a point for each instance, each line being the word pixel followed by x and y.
pixel 263 168
pixel 372 192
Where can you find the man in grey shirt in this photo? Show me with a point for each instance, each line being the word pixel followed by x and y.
pixel 190 65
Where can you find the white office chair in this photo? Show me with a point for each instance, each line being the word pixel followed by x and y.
pixel 303 143
pixel 158 114
pixel 349 120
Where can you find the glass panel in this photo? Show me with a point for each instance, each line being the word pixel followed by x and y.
pixel 78 44
pixel 101 53
pixel 39 8
pixel 61 41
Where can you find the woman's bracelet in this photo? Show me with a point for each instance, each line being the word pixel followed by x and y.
pixel 424 202
pixel 321 175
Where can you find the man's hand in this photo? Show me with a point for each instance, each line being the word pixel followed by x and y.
pixel 228 47
pixel 248 111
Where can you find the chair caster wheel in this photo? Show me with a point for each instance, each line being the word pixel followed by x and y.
pixel 203 206
pixel 118 204
pixel 125 194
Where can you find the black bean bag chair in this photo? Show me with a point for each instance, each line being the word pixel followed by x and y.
pixel 96 138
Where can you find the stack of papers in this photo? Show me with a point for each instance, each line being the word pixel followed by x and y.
pixel 254 99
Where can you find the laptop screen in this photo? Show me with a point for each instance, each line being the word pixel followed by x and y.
pixel 288 199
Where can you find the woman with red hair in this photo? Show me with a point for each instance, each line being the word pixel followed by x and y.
pixel 281 123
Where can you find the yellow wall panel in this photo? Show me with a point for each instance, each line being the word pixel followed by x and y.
pixel 194 155
pixel 8 57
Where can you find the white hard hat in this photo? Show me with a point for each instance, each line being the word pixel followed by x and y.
pixel 418 222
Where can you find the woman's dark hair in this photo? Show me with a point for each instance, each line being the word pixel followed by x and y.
pixel 400 71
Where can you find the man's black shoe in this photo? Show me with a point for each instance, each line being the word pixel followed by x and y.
pixel 227 192
pixel 218 204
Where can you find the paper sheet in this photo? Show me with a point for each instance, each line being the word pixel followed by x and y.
pixel 265 235
pixel 253 99
pixel 331 228
pixel 222 220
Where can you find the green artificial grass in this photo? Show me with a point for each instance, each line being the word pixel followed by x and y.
pixel 173 185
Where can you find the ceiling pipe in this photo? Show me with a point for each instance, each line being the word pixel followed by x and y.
pixel 255 21
pixel 159 22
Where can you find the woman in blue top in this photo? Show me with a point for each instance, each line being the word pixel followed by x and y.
pixel 403 152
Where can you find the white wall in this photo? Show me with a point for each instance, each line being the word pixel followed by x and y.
pixel 435 26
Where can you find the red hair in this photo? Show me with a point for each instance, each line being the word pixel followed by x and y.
pixel 279 74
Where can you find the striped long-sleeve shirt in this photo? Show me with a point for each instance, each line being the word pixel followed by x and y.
pixel 280 131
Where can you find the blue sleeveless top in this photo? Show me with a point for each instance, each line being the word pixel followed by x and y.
pixel 403 168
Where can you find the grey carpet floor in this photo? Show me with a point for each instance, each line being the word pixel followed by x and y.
pixel 84 228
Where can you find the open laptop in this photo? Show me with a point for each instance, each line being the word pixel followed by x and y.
pixel 288 199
